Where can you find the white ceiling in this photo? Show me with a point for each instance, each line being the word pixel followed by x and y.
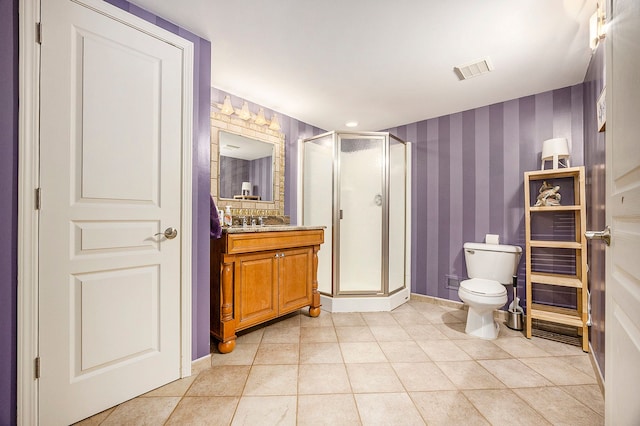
pixel 385 63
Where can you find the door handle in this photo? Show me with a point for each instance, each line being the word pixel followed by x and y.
pixel 604 235
pixel 169 233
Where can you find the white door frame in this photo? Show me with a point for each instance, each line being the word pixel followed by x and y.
pixel 28 181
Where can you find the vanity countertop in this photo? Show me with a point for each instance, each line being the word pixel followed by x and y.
pixel 268 228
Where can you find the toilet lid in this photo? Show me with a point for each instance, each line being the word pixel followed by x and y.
pixel 483 287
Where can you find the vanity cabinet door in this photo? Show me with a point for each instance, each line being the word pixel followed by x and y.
pixel 256 288
pixel 295 273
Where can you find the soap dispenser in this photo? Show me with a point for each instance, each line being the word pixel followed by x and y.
pixel 228 220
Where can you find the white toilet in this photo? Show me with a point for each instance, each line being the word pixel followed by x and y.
pixel 489 266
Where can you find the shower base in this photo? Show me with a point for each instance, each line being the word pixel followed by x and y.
pixel 365 304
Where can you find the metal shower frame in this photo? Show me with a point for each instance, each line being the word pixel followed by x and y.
pixel 385 138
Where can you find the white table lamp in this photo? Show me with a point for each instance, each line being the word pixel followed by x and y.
pixel 554 150
pixel 246 188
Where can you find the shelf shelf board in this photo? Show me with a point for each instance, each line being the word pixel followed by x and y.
pixel 554 208
pixel 556 279
pixel 553 173
pixel 556 244
pixel 558 315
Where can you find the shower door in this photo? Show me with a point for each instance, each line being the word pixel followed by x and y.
pixel 317 201
pixel 361 209
pixel 355 185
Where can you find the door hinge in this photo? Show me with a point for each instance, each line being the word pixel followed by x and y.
pixel 38 32
pixel 37 367
pixel 38 198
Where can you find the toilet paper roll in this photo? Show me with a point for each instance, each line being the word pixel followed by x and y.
pixel 492 239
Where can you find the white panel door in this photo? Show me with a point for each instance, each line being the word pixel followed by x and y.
pixel 622 338
pixel 110 168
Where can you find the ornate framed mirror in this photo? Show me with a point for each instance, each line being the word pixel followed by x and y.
pixel 243 152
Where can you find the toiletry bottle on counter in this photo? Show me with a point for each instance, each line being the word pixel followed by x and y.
pixel 228 220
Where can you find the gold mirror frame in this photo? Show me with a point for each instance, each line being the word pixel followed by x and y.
pixel 251 130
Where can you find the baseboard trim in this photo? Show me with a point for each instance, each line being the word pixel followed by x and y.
pixel 596 368
pixel 438 301
pixel 195 361
pixel 200 364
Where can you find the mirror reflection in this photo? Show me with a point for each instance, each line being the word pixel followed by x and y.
pixel 246 168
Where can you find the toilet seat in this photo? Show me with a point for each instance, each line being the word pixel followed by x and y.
pixel 482 287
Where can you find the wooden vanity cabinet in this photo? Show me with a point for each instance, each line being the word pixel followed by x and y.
pixel 259 276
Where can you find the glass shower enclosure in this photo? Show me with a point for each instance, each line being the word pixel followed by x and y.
pixel 355 184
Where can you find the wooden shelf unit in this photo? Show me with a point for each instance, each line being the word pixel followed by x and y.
pixel 571 317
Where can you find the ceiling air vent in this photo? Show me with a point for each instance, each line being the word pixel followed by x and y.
pixel 473 69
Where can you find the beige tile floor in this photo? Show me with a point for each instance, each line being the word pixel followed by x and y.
pixel 414 365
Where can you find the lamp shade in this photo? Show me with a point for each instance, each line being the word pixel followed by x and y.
pixel 244 113
pixel 274 123
pixel 259 119
pixel 226 107
pixel 553 150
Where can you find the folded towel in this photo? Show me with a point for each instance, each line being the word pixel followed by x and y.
pixel 216 229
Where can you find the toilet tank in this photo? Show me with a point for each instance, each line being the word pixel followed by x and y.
pixel 497 262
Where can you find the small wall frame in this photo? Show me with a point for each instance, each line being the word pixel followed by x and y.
pixel 601 110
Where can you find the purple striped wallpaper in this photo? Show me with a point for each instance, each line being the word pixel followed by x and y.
pixel 595 169
pixel 260 176
pixel 8 208
pixel 467 180
pixel 235 171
